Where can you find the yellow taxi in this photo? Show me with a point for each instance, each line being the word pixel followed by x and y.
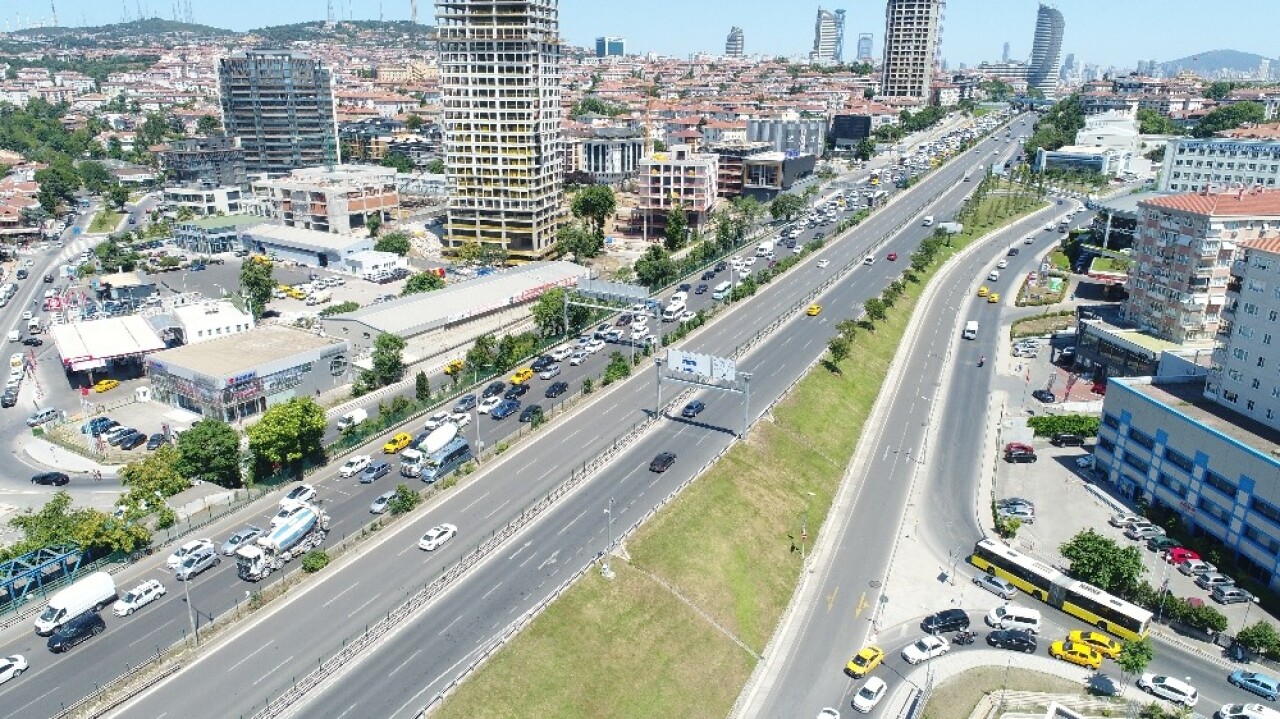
pixel 1081 654
pixel 993 298
pixel 296 294
pixel 862 663
pixel 814 310
pixel 397 443
pixel 1101 643
pixel 106 385
pixel 983 291
pixel 522 375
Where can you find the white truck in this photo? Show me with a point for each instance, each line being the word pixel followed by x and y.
pixel 352 418
pixel 89 593
pixel 411 462
pixel 319 297
pixel 302 532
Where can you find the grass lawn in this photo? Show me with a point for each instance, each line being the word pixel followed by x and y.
pixel 105 221
pixel 729 545
pixel 957 697
pixel 1110 264
pixel 1060 261
pixel 1042 324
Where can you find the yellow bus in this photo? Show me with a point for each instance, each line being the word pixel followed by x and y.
pixel 1052 586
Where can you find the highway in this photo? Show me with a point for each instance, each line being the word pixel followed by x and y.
pixel 262 662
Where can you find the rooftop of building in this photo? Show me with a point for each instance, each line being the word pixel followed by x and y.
pixel 205 312
pixel 1186 397
pixel 1126 204
pixel 228 356
pixel 1269 131
pixel 337 176
pixel 1139 339
pixel 1240 203
pixel 218 222
pixel 123 279
pixel 301 237
pixel 1270 245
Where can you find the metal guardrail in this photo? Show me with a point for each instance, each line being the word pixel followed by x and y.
pixel 120 681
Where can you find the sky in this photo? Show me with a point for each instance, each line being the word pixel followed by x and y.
pixel 1103 32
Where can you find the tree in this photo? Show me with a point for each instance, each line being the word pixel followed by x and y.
pixel 256 282
pixel 676 234
pixel 404 500
pixel 58 184
pixel 314 561
pixel 1228 117
pixel 435 167
pixel 422 282
pixel 875 309
pixel 93 176
pixel 156 475
pixel 210 450
pixel 655 268
pixel 548 313
pixel 1203 617
pixel 413 122
pixel 1151 122
pixel 786 206
pixel 865 150
pixel 1219 90
pixel 617 369
pixel 1135 656
pixel 340 308
pixel 574 239
pixel 118 195
pixel 1260 638
pixel 397 242
pixel 839 348
pixel 208 125
pixel 421 387
pixel 398 160
pixel 286 434
pixel 481 355
pixel 1102 562
pixel 373 223
pixel 388 359
pixel 595 204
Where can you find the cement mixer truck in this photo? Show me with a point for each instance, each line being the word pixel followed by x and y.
pixel 293 538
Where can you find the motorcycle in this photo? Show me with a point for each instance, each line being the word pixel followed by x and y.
pixel 982 360
pixel 965 637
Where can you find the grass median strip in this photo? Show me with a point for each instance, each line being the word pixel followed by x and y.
pixel 105 221
pixel 730 546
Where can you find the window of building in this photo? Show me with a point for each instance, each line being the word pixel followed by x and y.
pixel 1141 439
pixel 1173 485
pixel 1111 421
pixel 1220 483
pixel 1250 308
pixel 1136 462
pixel 1211 509
pixel 1179 460
pixel 1265 508
pixel 1256 382
pixel 1107 444
pixel 1262 539
pixel 1240 354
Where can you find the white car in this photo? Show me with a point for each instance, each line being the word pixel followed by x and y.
pixel 869 695
pixel 560 353
pixel 639 333
pixel 489 403
pixel 298 495
pixel 548 373
pixel 926 648
pixel 829 713
pixel 1029 241
pixel 437 536
pixel 822 264
pixel 578 358
pixel 11 667
pixel 1002 264
pixel 435 420
pixel 462 419
pixel 595 346
pixel 181 553
pixel 138 597
pixel 354 465
pixel 26 315
pixel 687 315
pixel 677 297
pixel 284 515
pixel 380 504
pixel 1175 690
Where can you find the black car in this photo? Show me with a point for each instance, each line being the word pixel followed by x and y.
pixel 33 341
pixel 708 275
pixel 1013 639
pixel 542 363
pixel 721 266
pixel 8 399
pixel 374 471
pixel 56 479
pixel 48 278
pixel 517 390
pixel 531 413
pixel 1013 252
pixel 662 462
pixel 1045 396
pixel 156 441
pixel 791 244
pixel 494 389
pixel 684 287
pixel 466 403
pixel 947 620
pixel 624 319
pixel 97 428
pixel 136 439
pixel 700 289
pixel 75 631
pixel 1065 439
pixel 692 409
pixel 22 274
pixel 556 389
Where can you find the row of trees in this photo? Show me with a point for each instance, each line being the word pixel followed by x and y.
pixel 1057 126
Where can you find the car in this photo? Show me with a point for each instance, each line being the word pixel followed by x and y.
pixel 26 315
pixel 983 291
pixel 1045 396
pixel 285 514
pixel 437 536
pixel 556 389
pixel 542 363
pixel 1066 439
pixel 133 441
pixel 550 371
pixel 814 310
pixel 298 495
pixel 562 353
pixel 461 419
pixel 1264 685
pixel 1029 241
pixel 1000 587
pixel 516 391
pixel 195 563
pixel 662 462
pixel 1013 252
pixel 354 465
pixel 22 274
pixel 53 479
pixel 1124 519
pixel 397 442
pixel 595 346
pixel 76 630
pixel 1015 452
pixel 506 409
pixel 1015 502
pixel 12 666
pixel 1230 595
pixel 1085 462
pixel 522 375
pixel 243 536
pixel 434 421
pixel 1214 579
pixel 579 357
pixel 693 409
pixel 701 289
pixel 190 547
pixel 374 471
pixel 32 341
pixel 947 620
pixel 892 257
pixel 156 441
pixel 1073 653
pixel 926 648
pixel 379 504
pixel 1174 690
pixel 872 691
pixel 639 334
pixel 1143 532
pixel 9 398
pixel 1101 643
pixel 1193 567
pixel 138 597
pixel 1026 515
pixel 1017 640
pixel 866 660
pixel 494 389
pixel 822 264
pixel 466 403
pixel 105 385
pixel 488 404
pixel 531 413
pixel 48 279
pixel 1162 544
pixel 1002 264
pixel 993 298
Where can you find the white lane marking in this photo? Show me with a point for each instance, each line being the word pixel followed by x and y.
pixel 477 501
pixel 247 657
pixel 450 624
pixel 273 670
pixel 334 598
pixel 570 523
pixel 362 606
pixel 402 664
pixel 18 712
pixel 348 711
pixel 153 631
pixel 495 509
pixel 491 591
pixel 521 549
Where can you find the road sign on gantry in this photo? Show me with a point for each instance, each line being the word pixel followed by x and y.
pixel 720 368
pixel 612 291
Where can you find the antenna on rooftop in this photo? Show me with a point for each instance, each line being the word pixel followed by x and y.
pixel 413 11
pixel 53 7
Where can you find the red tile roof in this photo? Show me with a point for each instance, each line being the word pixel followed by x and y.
pixel 1265 244
pixel 1248 203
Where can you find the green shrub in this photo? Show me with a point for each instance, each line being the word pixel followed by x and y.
pixel 1048 425
pixel 314 561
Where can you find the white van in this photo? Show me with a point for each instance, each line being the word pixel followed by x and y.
pixel 764 248
pixel 89 593
pixel 15 335
pixel 993 276
pixel 1009 616
pixel 928 220
pixel 721 291
pixel 352 418
pixel 673 312
pixel 970 330
pixel 33 326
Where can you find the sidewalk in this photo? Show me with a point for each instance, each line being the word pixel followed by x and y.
pixel 48 454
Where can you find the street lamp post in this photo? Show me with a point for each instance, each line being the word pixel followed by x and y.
pixel 608 511
pixel 804 526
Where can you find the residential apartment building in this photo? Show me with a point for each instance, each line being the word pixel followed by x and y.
pixel 500 84
pixel 734 43
pixel 792 133
pixel 203 162
pixel 1046 51
pixel 204 201
pixel 609 154
pixel 824 37
pixel 1191 165
pixel 677 177
pixel 911 32
pixel 338 200
pixel 280 105
pixel 1246 375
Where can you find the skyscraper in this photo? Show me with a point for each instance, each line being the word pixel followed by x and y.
pixel 1069 66
pixel 733 45
pixel 911 33
pixel 1004 55
pixel 864 47
pixel 824 37
pixel 502 142
pixel 611 46
pixel 280 104
pixel 839 54
pixel 1046 51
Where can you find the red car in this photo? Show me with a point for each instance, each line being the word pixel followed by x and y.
pixel 1178 555
pixel 893 256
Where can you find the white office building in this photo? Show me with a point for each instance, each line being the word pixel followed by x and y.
pixel 1191 165
pixel 1244 376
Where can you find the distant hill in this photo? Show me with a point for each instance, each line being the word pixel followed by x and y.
pixel 1216 63
pixel 319 30
pixel 135 28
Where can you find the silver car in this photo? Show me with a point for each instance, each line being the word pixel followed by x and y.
pixel 380 504
pixel 240 539
pixel 997 586
pixel 196 563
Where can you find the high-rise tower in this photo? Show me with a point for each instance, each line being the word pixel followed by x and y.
pixel 500 88
pixel 280 104
pixel 839 54
pixel 911 34
pixel 864 47
pixel 1046 51
pixel 824 37
pixel 1004 54
pixel 734 43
